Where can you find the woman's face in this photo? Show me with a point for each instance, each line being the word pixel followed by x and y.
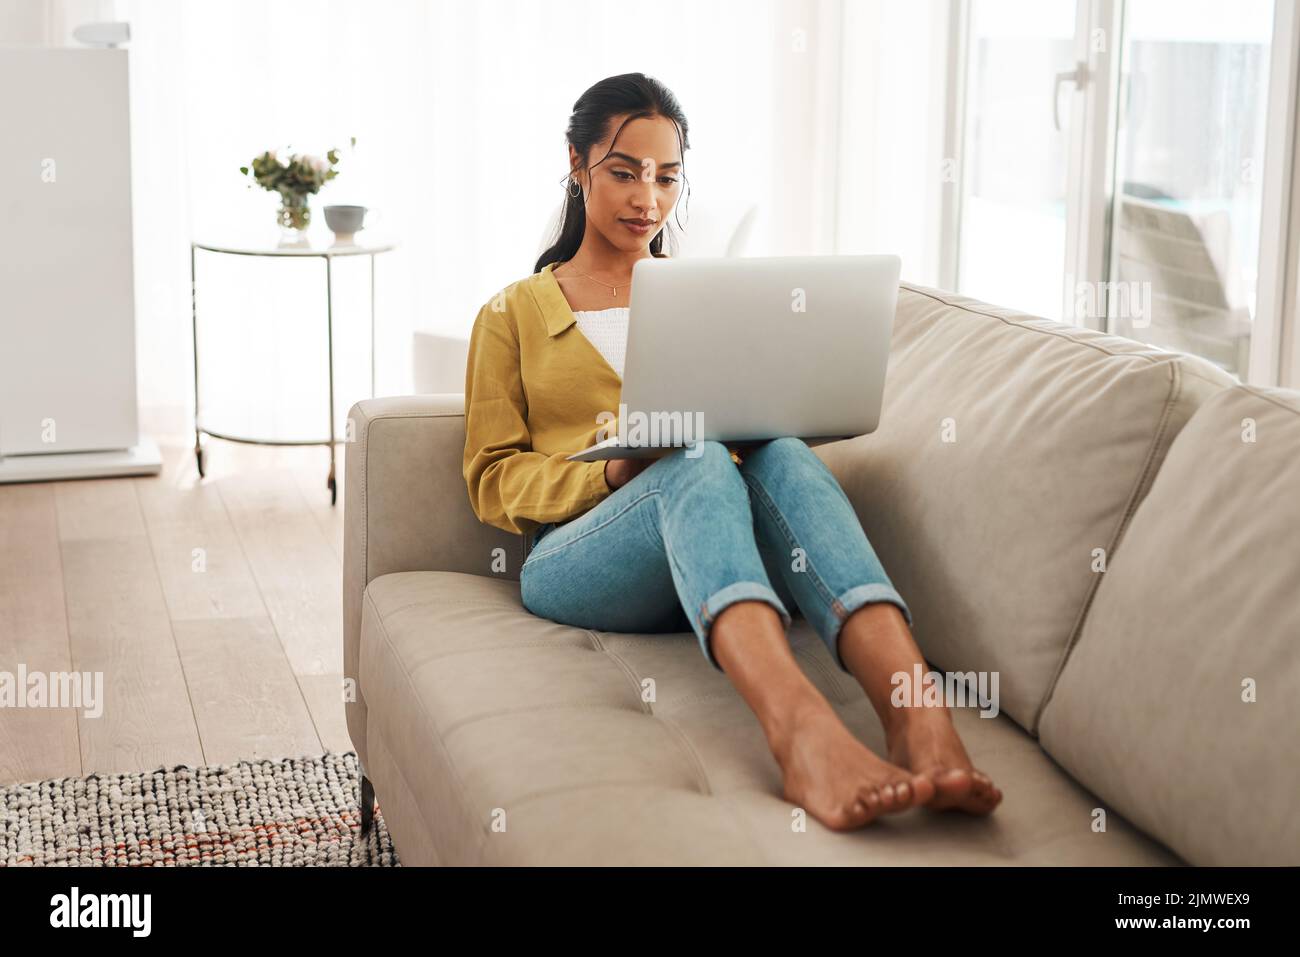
pixel 635 183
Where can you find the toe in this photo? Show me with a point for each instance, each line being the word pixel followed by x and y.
pixel 952 786
pixel 984 796
pixel 922 788
pixel 871 797
pixel 857 814
pixel 886 792
pixel 897 796
pixel 862 812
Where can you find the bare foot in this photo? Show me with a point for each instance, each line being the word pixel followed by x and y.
pixel 836 778
pixel 924 740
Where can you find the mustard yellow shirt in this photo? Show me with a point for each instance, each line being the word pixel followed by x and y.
pixel 534 388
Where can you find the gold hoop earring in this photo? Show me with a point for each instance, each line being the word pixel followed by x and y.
pixel 575 188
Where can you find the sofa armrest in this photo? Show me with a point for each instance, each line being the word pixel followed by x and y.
pixel 406 508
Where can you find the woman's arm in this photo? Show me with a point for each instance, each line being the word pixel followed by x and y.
pixel 510 485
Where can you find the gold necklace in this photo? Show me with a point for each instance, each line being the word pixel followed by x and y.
pixel 613 289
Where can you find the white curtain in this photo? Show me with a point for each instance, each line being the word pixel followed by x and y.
pixel 816 111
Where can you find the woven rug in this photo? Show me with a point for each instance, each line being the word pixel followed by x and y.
pixel 288 813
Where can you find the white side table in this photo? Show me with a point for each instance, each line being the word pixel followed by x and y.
pixel 328 254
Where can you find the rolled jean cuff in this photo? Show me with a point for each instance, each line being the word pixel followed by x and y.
pixel 855 598
pixel 721 599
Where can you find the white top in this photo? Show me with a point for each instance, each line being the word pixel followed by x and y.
pixel 606 329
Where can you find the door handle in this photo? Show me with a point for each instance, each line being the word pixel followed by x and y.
pixel 1078 76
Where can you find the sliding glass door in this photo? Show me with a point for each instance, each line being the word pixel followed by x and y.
pixel 1112 165
pixel 1013 178
pixel 1188 172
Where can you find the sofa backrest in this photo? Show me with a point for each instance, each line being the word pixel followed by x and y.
pixel 1011 453
pixel 1177 705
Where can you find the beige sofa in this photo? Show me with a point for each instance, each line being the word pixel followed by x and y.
pixel 1112 529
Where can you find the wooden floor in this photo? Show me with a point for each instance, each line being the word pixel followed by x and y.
pixel 212 607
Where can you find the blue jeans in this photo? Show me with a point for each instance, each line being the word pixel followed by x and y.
pixel 693 533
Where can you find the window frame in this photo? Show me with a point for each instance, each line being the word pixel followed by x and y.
pixel 1274 357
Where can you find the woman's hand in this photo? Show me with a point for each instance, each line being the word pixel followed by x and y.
pixel 738 449
pixel 618 472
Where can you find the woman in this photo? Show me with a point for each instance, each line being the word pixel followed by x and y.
pixel 715 542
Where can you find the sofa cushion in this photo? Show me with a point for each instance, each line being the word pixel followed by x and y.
pixel 497 737
pixel 1203 599
pixel 1009 450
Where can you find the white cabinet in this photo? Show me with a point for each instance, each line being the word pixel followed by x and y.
pixel 67 314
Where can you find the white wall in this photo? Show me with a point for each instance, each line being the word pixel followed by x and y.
pixel 891 181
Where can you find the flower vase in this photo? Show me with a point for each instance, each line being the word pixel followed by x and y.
pixel 294 217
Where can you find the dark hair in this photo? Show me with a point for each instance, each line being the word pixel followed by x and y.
pixel 636 94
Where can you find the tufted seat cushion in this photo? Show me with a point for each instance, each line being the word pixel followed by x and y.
pixel 504 738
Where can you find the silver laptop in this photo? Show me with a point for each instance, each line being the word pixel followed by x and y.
pixel 741 350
